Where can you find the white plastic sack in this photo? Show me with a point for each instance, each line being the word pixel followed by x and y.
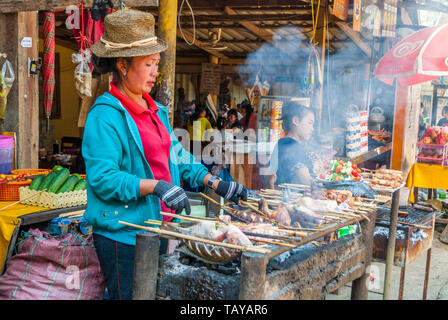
pixel 83 74
pixel 7 77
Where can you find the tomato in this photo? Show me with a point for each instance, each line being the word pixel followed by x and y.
pixel 339 168
pixel 357 178
pixel 337 178
pixel 2 180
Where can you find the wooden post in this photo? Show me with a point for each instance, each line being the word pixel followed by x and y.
pixel 360 290
pixel 253 276
pixel 146 266
pixel 167 66
pixel 22 111
pixel 405 129
pixel 322 25
pixel 391 244
pixel 214 60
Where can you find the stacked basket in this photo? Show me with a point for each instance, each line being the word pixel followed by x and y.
pixel 10 191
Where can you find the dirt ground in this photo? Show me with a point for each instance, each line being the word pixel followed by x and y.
pixel 414 278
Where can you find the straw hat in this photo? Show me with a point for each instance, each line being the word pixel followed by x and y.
pixel 128 33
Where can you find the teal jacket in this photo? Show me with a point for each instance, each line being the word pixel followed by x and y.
pixel 115 163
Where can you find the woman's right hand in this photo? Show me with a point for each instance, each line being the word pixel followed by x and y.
pixel 173 196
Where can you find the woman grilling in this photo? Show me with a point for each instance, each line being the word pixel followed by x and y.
pixel 134 162
pixel 294 159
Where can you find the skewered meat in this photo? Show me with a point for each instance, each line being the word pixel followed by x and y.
pixel 261 228
pixel 340 196
pixel 213 230
pixel 281 215
pixel 386 178
pixel 303 216
pixel 357 188
pixel 317 205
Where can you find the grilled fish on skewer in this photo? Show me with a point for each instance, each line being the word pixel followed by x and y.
pixel 213 230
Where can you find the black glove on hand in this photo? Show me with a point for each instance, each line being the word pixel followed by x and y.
pixel 232 190
pixel 173 196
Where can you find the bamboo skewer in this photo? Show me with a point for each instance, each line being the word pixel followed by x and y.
pixel 257 239
pixel 189 218
pixel 192 238
pixel 27 198
pixel 406 223
pixel 217 203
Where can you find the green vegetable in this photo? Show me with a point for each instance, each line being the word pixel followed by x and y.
pixel 57 168
pixel 78 175
pixel 34 185
pixel 69 184
pixel 59 180
pixel 81 185
pixel 47 180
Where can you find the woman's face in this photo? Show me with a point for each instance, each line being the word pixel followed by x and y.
pixel 141 75
pixel 305 127
pixel 232 118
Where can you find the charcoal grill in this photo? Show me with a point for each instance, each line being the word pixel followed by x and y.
pixel 306 272
pixel 411 240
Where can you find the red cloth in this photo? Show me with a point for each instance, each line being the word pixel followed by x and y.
pixel 252 122
pixel 156 139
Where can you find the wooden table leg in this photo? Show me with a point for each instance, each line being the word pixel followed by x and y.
pixel 428 264
pixel 391 244
pixel 402 277
pixel 360 290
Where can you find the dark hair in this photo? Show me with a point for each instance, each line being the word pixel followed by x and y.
pixel 106 65
pixel 445 110
pixel 197 112
pixel 236 124
pixel 232 112
pixel 290 110
pixel 246 105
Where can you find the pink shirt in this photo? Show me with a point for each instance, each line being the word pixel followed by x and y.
pixel 156 139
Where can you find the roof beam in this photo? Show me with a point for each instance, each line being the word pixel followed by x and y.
pixel 200 44
pixel 248 17
pixel 210 4
pixel 355 37
pixel 251 26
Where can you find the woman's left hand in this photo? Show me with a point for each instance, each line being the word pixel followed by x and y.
pixel 232 190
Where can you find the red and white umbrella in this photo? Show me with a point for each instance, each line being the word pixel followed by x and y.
pixel 420 57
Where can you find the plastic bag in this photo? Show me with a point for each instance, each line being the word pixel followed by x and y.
pixel 83 73
pixel 7 77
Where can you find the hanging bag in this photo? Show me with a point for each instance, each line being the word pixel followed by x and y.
pixel 83 74
pixel 7 77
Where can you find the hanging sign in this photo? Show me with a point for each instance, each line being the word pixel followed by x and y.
pixel 210 78
pixel 27 42
pixel 340 9
pixel 377 17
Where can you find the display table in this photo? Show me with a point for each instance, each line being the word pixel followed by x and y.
pixel 12 218
pixel 425 175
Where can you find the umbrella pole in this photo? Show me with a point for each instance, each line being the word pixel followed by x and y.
pixel 369 86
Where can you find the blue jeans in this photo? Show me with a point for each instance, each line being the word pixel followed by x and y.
pixel 117 263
